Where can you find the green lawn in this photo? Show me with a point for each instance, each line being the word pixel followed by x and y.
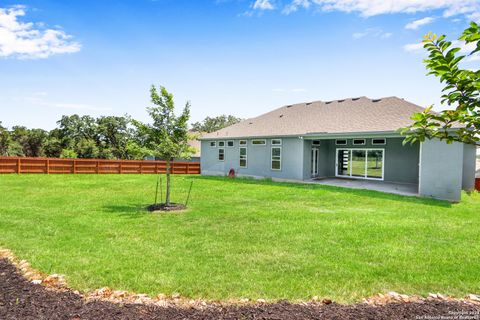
pixel 240 238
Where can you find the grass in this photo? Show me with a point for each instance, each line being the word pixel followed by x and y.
pixel 240 238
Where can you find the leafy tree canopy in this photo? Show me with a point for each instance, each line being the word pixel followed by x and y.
pixel 216 123
pixel 461 92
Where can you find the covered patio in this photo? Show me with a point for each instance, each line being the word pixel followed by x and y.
pixel 404 189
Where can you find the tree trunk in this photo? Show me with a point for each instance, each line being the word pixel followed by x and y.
pixel 167 196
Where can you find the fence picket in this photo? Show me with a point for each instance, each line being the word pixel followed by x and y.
pixel 93 166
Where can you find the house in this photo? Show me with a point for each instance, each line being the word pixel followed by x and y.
pixel 350 139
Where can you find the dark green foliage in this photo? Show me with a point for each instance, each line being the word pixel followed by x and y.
pixel 215 123
pixel 461 92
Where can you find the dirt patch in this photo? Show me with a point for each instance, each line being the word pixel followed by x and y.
pixel 21 299
pixel 163 207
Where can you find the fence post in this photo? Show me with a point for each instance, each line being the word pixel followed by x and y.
pixel 74 166
pixel 18 166
pixel 96 167
pixel 48 166
pixel 120 167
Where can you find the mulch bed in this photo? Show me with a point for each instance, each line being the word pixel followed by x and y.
pixel 20 299
pixel 163 207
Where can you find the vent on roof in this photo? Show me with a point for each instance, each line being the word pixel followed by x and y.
pixel 250 123
pixel 355 99
pixel 280 116
pixel 289 106
pixel 308 103
pixel 328 102
pixel 376 100
pixel 339 101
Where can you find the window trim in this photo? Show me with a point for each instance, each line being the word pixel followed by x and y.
pixel 276 144
pixel 258 144
pixel 316 143
pixel 279 158
pixel 214 144
pixel 359 144
pixel 218 155
pixel 242 142
pixel 240 157
pixel 379 144
pixel 341 144
pixel 222 141
pixel 233 143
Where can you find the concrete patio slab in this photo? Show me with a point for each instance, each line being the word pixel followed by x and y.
pixel 404 189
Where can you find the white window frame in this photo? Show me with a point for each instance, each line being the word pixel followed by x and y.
pixel 276 144
pixel 341 144
pixel 221 142
pixel 242 142
pixel 379 144
pixel 213 144
pixel 364 141
pixel 279 158
pixel 233 143
pixel 258 144
pixel 366 163
pixel 240 157
pixel 218 155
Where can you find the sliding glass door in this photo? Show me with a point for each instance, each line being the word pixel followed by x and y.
pixel 360 163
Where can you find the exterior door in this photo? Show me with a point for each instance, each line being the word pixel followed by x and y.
pixel 315 152
pixel 360 163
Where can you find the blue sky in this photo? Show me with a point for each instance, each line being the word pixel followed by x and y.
pixel 241 57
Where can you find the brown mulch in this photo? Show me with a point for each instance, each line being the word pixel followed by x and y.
pixel 20 299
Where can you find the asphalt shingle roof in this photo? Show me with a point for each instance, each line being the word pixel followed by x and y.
pixel 329 117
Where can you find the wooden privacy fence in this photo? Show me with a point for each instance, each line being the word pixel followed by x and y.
pixel 58 165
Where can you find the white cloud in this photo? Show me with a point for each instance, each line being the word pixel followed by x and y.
pixel 367 8
pixel 292 7
pixel 263 5
pixel 25 40
pixel 418 23
pixel 413 47
pixel 372 32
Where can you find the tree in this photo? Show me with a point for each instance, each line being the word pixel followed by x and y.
pixel 461 92
pixel 216 123
pixel 167 136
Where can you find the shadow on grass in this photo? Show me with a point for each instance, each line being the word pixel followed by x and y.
pixel 345 190
pixel 131 211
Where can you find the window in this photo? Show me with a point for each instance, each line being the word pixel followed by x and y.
pixel 242 142
pixel 377 142
pixel 315 142
pixel 260 142
pixel 230 143
pixel 358 142
pixel 221 143
pixel 276 158
pixel 221 154
pixel 243 157
pixel 213 144
pixel 360 163
pixel 277 142
pixel 341 142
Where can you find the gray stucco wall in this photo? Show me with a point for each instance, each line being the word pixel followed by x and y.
pixel 258 157
pixel 441 170
pixel 401 162
pixel 469 161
